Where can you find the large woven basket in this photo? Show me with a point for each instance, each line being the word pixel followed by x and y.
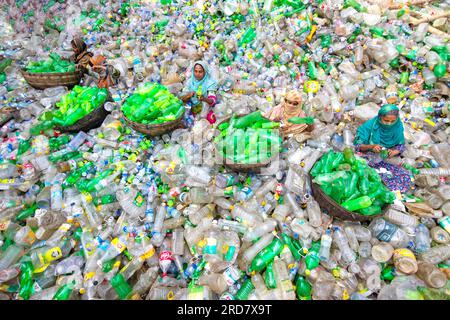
pixel 89 121
pixel 48 80
pixel 328 205
pixel 241 167
pixel 154 129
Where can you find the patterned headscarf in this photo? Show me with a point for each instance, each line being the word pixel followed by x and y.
pixel 79 44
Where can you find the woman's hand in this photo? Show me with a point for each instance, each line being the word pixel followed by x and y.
pixel 393 152
pixel 376 148
pixel 207 100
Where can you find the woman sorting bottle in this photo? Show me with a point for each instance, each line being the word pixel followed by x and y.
pixel 81 56
pixel 382 137
pixel 200 92
pixel 107 76
pixel 290 108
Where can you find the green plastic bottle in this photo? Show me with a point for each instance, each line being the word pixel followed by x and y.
pixel 299 120
pixel 312 259
pixel 244 291
pixel 25 213
pixel 64 292
pixel 370 211
pixel 269 277
pixel 105 199
pixel 303 288
pixel 57 142
pixel 26 280
pixel 121 286
pixel 266 255
pixel 293 246
pixel 357 204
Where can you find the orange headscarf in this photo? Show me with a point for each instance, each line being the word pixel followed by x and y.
pixel 283 112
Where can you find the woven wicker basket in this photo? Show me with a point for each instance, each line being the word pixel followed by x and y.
pixel 154 129
pixel 48 80
pixel 88 122
pixel 242 167
pixel 334 209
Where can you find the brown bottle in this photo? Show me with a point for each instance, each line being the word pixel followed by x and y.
pixel 431 275
pixel 405 261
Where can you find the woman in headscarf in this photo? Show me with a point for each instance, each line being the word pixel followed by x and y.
pixel 291 107
pixel 384 134
pixel 81 56
pixel 200 91
pixel 107 75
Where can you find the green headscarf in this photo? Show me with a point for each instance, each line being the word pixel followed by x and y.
pixel 375 132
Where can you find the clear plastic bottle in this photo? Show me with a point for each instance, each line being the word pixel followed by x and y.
pixel 215 281
pixel 244 216
pixel 422 239
pixel 297 211
pixel 145 281
pixel 382 252
pixel 157 230
pixel 314 213
pixel 400 218
pixel 348 256
pixel 283 281
pixel 259 230
pixel 431 275
pixel 386 231
pixel 197 216
pixel 325 245
pixel 436 254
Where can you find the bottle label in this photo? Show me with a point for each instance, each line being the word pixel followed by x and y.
pixel 52 254
pixel 246 192
pixel 4 225
pixel 182 197
pixel 445 223
pixel 226 296
pixel 150 253
pixel 211 246
pixel 404 253
pixel 387 233
pixel 118 244
pixel 228 192
pixel 138 200
pixel 232 275
pixel 229 253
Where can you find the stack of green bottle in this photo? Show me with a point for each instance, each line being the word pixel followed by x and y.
pixel 78 103
pixel 249 139
pixel 53 64
pixel 152 103
pixel 351 182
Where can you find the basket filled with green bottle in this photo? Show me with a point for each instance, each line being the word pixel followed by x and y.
pixel 51 72
pixel 153 110
pixel 80 109
pixel 247 142
pixel 348 188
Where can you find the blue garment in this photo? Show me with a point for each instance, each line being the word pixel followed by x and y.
pixel 207 83
pixel 374 131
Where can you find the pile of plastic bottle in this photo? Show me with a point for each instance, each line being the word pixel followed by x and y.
pixel 113 214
